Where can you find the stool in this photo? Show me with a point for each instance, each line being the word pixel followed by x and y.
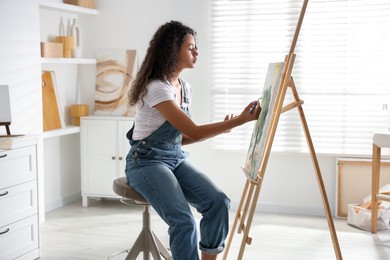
pixel 380 140
pixel 147 241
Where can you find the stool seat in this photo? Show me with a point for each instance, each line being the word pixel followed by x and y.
pixel 147 242
pixel 121 188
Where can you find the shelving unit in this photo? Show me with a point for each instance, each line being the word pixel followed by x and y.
pixel 63 131
pixel 55 64
pixel 68 61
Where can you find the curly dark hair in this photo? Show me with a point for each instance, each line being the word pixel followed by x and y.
pixel 161 58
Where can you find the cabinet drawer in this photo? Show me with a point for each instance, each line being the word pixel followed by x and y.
pixel 17 166
pixel 19 238
pixel 18 202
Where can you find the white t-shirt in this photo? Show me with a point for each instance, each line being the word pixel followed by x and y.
pixel 147 118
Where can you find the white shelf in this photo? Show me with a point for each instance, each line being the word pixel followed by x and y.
pixel 66 7
pixel 67 61
pixel 63 131
pixel 109 117
pixel 57 5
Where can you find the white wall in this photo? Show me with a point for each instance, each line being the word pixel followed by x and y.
pixel 289 185
pixel 20 64
pixel 20 69
pixel 62 171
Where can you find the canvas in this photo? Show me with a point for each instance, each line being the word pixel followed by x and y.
pixel 115 72
pixel 261 128
pixel 5 105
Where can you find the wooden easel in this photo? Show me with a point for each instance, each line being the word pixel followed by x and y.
pixel 250 195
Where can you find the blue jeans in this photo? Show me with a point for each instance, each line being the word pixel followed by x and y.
pixel 170 185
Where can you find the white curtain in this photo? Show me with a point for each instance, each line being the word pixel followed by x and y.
pixel 341 69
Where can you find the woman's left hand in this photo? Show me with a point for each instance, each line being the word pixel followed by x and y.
pixel 228 117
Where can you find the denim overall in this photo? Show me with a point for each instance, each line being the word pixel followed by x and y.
pixel 156 167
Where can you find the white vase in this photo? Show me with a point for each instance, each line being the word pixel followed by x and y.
pixel 76 33
pixel 68 29
pixel 61 31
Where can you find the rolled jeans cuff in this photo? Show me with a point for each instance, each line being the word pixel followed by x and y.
pixel 211 251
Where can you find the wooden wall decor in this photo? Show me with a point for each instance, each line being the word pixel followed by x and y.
pixel 52 118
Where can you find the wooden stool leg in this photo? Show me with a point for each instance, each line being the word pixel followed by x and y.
pixel 376 157
pixel 161 248
pixel 138 247
pixel 147 242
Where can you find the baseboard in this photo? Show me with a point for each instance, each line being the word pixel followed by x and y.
pixel 62 202
pixel 285 209
pixel 269 208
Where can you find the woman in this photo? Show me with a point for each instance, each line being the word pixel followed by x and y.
pixel 156 165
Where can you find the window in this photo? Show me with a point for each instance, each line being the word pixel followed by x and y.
pixel 341 69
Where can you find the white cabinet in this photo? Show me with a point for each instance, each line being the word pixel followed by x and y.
pixel 19 222
pixel 104 147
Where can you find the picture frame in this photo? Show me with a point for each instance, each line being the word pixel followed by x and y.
pixel 115 72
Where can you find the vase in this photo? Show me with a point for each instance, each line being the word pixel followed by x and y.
pixel 77 111
pixel 61 31
pixel 68 28
pixel 76 33
pixel 67 43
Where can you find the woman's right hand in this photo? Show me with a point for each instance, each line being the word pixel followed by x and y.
pixel 251 111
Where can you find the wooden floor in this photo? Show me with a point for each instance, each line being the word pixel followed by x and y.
pixel 107 226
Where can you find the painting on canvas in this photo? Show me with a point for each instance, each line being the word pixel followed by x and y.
pixel 115 72
pixel 261 128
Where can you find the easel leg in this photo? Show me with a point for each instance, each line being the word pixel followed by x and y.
pixel 238 216
pixel 250 200
pixel 321 185
pixel 246 239
pixel 7 129
pixel 241 227
pixel 6 124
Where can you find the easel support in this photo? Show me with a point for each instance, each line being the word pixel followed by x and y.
pixel 320 181
pixel 252 189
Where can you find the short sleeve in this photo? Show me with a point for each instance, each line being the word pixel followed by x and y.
pixel 158 91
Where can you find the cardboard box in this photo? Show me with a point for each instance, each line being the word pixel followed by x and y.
pixel 52 50
pixel 83 3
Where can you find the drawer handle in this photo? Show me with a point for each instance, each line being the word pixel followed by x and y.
pixel 113 158
pixel 120 158
pixel 6 231
pixel 3 194
pixel 3 156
